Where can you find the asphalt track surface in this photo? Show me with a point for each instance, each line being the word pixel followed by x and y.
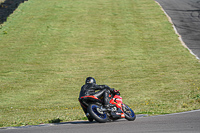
pixel 185 15
pixel 186 122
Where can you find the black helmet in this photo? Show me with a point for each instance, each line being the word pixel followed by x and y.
pixel 90 80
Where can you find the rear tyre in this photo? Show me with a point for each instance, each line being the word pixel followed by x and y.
pixel 95 113
pixel 128 112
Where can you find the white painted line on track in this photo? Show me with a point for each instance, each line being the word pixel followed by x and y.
pixel 177 113
pixel 85 121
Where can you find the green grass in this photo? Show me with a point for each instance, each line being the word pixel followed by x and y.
pixel 48 48
pixel 1 1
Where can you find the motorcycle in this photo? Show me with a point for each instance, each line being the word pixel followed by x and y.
pixel 93 108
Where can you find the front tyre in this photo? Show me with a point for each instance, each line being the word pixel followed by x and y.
pixel 128 112
pixel 95 113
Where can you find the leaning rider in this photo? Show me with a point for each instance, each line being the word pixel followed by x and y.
pixel 90 87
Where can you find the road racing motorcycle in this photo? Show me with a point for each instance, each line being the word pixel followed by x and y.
pixel 93 108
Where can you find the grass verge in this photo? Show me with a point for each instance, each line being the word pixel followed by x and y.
pixel 1 1
pixel 48 48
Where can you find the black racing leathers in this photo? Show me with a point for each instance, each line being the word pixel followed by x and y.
pixel 89 89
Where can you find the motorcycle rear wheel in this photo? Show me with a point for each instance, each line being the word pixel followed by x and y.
pixel 90 119
pixel 94 112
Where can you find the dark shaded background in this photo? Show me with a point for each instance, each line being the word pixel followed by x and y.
pixel 7 8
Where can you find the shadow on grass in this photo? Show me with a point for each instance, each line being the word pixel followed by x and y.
pixel 85 121
pixel 76 122
pixel 7 8
pixel 59 121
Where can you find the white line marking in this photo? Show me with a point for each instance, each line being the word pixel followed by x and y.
pixel 177 113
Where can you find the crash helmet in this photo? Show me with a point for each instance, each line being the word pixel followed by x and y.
pixel 90 80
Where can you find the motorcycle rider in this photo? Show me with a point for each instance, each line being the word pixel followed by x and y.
pixel 90 87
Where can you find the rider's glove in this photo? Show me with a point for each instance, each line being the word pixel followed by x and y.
pixel 115 92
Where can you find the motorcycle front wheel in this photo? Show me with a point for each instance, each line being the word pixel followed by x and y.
pixel 95 113
pixel 128 112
